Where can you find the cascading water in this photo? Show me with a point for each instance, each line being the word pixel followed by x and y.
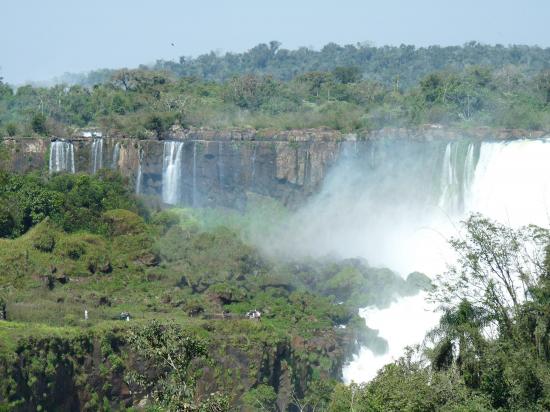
pixel 459 164
pixel 139 177
pixel 511 183
pixel 171 172
pixel 396 203
pixel 116 156
pixel 97 155
pixel 61 157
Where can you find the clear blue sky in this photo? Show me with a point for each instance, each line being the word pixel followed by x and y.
pixel 40 39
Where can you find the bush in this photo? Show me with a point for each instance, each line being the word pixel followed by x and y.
pixel 165 219
pixel 122 222
pixel 44 241
pixel 72 248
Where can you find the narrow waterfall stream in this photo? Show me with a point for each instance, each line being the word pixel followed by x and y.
pixel 139 177
pixel 116 156
pixel 61 157
pixel 172 162
pixel 97 155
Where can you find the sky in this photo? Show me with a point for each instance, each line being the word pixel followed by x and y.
pixel 42 39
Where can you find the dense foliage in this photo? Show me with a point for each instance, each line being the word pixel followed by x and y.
pixel 75 243
pixel 345 88
pixel 72 202
pixel 388 65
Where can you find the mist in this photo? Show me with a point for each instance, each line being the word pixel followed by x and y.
pixel 379 202
pixel 397 203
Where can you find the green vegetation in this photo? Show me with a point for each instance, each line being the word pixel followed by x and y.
pixel 345 88
pixel 76 243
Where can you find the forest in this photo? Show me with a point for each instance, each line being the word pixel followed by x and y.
pixel 346 88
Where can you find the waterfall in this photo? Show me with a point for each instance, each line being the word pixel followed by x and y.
pixel 397 203
pixel 459 162
pixel 194 174
pixel 116 156
pixel 61 157
pixel 140 171
pixel 97 155
pixel 511 182
pixel 171 172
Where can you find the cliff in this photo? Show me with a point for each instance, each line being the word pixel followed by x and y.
pixel 220 168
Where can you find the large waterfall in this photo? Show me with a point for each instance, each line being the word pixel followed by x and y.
pixel 512 182
pixel 506 181
pixel 172 172
pixel 61 157
pixel 396 203
pixel 97 155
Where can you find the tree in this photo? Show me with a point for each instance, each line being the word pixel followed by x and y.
pixel 174 356
pixel 261 398
pixel 347 75
pixel 5 90
pixel 497 268
pixel 38 124
pixel 543 85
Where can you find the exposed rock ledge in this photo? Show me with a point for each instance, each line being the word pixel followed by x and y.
pixel 424 132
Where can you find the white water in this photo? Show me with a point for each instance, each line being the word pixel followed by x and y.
pixel 403 324
pixel 116 156
pixel 61 157
pixel 389 219
pixel 171 172
pixel 97 155
pixel 139 177
pixel 512 182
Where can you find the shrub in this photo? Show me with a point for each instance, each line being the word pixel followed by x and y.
pixel 122 222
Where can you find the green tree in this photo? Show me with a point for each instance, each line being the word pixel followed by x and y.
pixel 38 124
pixel 346 75
pixel 496 269
pixel 174 355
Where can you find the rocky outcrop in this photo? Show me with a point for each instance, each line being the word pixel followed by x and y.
pixel 86 371
pixel 223 167
pixel 214 172
pixel 24 154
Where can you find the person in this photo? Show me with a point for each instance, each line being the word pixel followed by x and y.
pixel 85 314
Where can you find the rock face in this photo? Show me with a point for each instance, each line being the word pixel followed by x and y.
pixel 221 168
pixel 210 172
pixel 24 155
